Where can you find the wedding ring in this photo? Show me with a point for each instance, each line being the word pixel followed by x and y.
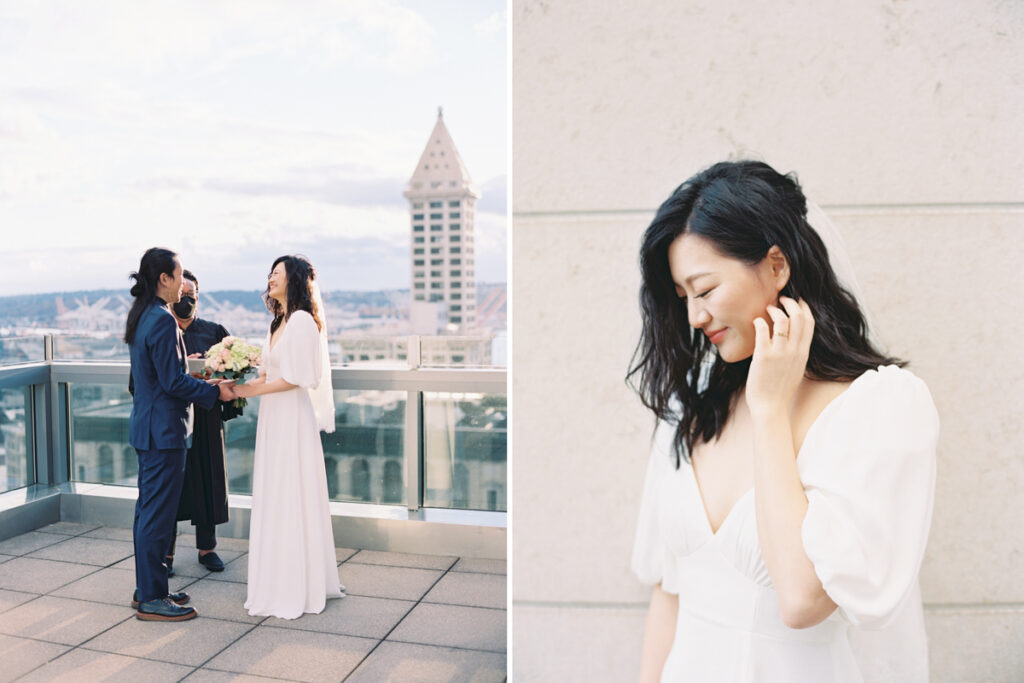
pixel 782 333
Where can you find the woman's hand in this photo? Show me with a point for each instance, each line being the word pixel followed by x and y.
pixel 780 356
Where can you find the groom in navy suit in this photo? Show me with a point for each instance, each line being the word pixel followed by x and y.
pixel 160 427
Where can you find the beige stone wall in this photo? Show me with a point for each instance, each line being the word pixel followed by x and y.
pixel 904 120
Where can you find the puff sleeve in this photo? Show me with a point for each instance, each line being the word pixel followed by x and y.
pixel 870 486
pixel 300 358
pixel 653 559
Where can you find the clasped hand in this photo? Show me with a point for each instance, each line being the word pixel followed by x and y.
pixel 226 387
pixel 780 356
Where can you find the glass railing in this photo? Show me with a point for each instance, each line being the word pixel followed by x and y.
pixel 484 350
pixel 364 457
pixel 411 437
pixel 16 427
pixel 465 450
pixel 101 346
pixel 15 350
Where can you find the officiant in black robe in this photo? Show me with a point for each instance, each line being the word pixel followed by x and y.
pixel 204 495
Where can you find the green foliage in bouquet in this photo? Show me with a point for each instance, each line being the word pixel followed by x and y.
pixel 232 358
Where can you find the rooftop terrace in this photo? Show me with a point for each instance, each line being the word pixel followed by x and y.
pixel 64 615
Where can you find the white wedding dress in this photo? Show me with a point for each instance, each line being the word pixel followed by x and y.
pixel 292 563
pixel 868 469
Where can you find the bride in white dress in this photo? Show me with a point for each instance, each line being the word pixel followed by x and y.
pixel 789 493
pixel 292 562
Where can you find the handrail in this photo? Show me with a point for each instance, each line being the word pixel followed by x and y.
pixel 51 417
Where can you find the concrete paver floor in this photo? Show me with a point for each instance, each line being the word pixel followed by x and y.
pixel 64 615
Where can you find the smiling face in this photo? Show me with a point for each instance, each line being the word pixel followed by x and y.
pixel 723 295
pixel 169 287
pixel 277 283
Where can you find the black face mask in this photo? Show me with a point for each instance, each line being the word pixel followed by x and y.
pixel 186 308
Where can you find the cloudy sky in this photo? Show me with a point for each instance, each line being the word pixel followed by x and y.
pixel 233 132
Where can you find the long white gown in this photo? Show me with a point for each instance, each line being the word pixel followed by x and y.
pixel 868 468
pixel 292 562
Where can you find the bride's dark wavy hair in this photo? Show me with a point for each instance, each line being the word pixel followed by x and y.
pixel 155 261
pixel 301 275
pixel 743 208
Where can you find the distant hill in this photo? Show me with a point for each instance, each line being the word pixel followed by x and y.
pixel 42 310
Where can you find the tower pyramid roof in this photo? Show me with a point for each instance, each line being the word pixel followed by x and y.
pixel 440 169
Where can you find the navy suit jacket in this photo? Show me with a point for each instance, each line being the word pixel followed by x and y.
pixel 164 392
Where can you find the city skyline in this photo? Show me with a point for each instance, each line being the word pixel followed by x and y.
pixel 236 135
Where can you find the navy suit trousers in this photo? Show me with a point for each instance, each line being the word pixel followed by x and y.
pixel 161 475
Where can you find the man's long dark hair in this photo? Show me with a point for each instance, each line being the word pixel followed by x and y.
pixel 743 208
pixel 300 276
pixel 154 262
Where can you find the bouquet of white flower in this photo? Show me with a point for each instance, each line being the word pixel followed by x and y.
pixel 233 359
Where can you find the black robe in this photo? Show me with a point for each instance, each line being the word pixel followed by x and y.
pixel 204 495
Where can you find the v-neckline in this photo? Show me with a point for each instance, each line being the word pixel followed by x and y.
pixel 728 515
pixel 271 343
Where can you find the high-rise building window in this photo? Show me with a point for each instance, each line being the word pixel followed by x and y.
pixel 436 216
pixel 454 226
pixel 456 307
pixel 436 285
pixel 419 297
pixel 417 251
pixel 436 250
pixel 455 319
pixel 436 227
pixel 436 205
pixel 453 204
pixel 456 273
pixel 456 262
pixel 456 285
pixel 418 262
pixel 436 296
pixel 436 238
pixel 436 262
pixel 436 273
pixel 455 238
pixel 417 240
pixel 454 214
pixel 417 216
pixel 418 273
pixel 417 227
pixel 455 250
pixel 417 205
pixel 418 285
pixel 456 296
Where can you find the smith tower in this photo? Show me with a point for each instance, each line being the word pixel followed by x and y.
pixel 441 202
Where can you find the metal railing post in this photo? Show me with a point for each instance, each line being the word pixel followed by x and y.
pixel 413 448
pixel 415 354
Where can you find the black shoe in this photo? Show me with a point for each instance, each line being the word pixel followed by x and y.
pixel 169 563
pixel 212 562
pixel 164 609
pixel 181 598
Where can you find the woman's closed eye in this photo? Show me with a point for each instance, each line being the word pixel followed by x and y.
pixel 699 296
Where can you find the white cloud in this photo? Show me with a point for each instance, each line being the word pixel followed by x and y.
pixel 491 25
pixel 197 125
